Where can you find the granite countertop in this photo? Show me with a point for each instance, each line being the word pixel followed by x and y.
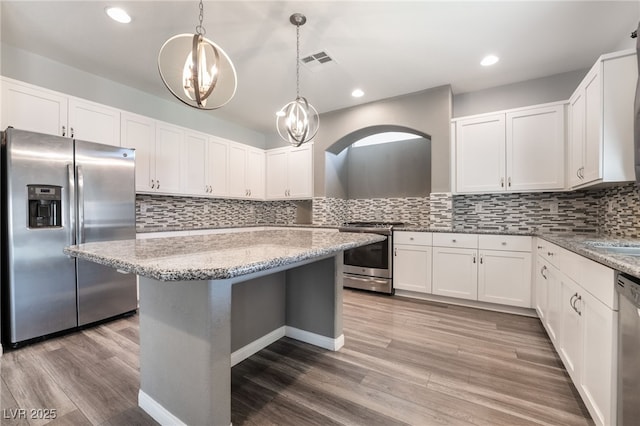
pixel 218 256
pixel 594 247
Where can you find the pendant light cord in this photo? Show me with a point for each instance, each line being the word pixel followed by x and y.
pixel 200 29
pixel 298 61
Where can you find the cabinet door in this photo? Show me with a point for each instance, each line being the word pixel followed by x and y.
pixel 412 268
pixel 576 138
pixel 218 167
pixel 593 129
pixel 169 146
pixel 139 132
pixel 571 337
pixel 480 154
pixel 93 122
pixel 505 277
pixel 237 171
pixel 598 377
pixel 277 172
pixel 554 304
pixel 535 149
pixel 28 108
pixel 541 283
pixel 455 272
pixel 195 164
pixel 255 173
pixel 300 172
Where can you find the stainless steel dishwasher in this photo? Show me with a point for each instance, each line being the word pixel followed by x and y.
pixel 628 289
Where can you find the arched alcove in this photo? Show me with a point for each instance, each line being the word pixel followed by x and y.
pixel 382 170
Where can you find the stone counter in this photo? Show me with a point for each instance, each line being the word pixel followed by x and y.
pixel 218 256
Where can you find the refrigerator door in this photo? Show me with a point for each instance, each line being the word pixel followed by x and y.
pixel 40 292
pixel 106 211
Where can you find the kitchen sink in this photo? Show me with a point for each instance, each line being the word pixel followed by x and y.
pixel 627 250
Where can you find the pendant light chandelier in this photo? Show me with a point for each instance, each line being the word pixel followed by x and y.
pixel 298 121
pixel 196 70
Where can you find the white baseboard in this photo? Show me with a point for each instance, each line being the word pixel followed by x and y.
pixel 157 411
pixel 257 345
pixel 316 339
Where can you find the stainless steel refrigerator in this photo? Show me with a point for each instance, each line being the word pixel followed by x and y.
pixel 58 192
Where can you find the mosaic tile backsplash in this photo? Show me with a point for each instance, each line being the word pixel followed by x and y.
pixel 614 211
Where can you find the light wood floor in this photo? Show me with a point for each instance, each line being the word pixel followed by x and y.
pixel 404 362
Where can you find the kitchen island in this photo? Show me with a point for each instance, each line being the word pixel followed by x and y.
pixel 186 303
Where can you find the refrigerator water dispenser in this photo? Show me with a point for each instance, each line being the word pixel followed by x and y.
pixel 45 206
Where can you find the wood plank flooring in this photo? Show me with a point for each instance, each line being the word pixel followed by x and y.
pixel 405 361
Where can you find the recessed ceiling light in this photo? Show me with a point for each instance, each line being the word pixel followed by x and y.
pixel 358 93
pixel 489 60
pixel 118 15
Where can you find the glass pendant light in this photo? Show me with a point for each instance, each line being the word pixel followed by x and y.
pixel 297 121
pixel 196 70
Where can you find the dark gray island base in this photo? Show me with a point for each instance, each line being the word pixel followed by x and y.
pixel 187 302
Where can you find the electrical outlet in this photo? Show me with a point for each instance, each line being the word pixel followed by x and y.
pixel 553 207
pixel 478 207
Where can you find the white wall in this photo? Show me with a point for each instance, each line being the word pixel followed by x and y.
pixel 40 71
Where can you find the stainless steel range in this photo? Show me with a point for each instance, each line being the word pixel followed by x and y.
pixel 370 267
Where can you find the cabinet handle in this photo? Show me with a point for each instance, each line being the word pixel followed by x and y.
pixel 481 260
pixel 395 251
pixel 158 182
pixel 504 243
pixel 509 182
pixel 540 247
pixel 410 238
pixel 153 184
pixel 573 300
pixel 550 253
pixel 579 298
pixel 249 193
pixel 474 259
pixel 578 173
pixel 544 268
pixel 453 241
pixel 501 182
pixel 72 132
pixel 64 131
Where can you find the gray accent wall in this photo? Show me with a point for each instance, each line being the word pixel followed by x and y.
pixel 558 87
pixel 44 72
pixel 389 170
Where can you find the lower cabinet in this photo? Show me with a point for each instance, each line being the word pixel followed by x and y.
pixel 505 277
pixel 412 268
pixel 455 272
pixel 582 327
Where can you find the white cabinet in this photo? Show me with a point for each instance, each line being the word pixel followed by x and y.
pixel 581 320
pixel 139 132
pixel 194 177
pixel 480 154
pixel 29 107
pixel 289 172
pixel 246 172
pixel 505 277
pixel 535 149
pixel 158 153
pixel 93 122
pixel 455 272
pixel 516 150
pixel 168 154
pixel 601 122
pixel 412 261
pixel 217 176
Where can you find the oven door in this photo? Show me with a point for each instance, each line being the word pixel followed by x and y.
pixel 371 260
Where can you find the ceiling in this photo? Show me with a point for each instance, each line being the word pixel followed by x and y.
pixel 386 48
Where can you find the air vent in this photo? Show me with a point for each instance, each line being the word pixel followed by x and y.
pixel 315 61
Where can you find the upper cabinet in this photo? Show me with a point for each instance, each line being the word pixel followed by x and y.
pixel 517 150
pixel 290 172
pixel 32 108
pixel 159 148
pixel 601 122
pixel 246 172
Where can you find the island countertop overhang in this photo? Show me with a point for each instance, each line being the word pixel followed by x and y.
pixel 218 256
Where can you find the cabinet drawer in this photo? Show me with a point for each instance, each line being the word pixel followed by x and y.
pixel 411 237
pixel 447 239
pixel 504 242
pixel 549 251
